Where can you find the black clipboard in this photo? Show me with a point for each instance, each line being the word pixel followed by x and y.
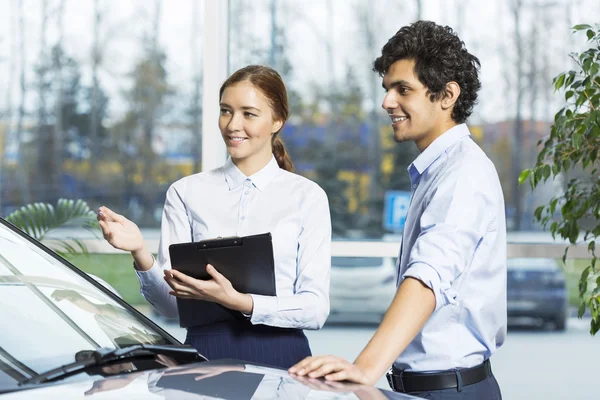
pixel 247 261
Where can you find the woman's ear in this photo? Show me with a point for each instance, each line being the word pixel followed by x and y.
pixel 277 124
pixel 450 95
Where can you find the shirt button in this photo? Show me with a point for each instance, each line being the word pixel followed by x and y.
pixel 243 217
pixel 415 186
pixel 246 192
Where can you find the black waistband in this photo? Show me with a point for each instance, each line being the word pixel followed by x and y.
pixel 401 381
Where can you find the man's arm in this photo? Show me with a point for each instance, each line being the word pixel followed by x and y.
pixel 411 308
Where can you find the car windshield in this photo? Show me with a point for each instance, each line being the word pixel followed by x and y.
pixel 50 312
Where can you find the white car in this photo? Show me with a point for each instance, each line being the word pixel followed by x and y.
pixel 362 288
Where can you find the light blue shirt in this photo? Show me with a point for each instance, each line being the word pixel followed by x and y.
pixel 224 202
pixel 454 241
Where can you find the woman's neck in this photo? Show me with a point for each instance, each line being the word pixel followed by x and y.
pixel 251 165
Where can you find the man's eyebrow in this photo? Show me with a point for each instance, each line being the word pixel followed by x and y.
pixel 400 82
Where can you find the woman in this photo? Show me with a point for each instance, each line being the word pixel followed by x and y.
pixel 254 192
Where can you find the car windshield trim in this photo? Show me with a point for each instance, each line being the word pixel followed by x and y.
pixel 105 356
pixel 158 329
pixel 49 303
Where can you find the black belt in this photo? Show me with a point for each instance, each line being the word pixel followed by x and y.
pixel 404 381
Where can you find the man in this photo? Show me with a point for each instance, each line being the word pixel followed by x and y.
pixel 449 313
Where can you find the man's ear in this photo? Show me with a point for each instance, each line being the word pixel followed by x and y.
pixel 451 94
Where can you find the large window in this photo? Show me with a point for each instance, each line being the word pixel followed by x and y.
pixel 99 100
pixel 339 135
pixel 103 101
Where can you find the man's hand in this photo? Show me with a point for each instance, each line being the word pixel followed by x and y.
pixel 332 369
pixel 217 290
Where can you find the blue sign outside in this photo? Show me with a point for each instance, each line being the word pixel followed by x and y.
pixel 395 210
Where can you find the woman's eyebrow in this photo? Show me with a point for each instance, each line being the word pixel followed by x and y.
pixel 250 108
pixel 245 108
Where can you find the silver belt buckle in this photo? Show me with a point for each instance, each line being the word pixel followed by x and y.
pixel 391 381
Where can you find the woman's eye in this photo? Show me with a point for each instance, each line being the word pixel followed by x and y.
pixel 249 114
pixel 224 111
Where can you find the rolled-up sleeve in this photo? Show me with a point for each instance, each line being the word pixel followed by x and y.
pixel 453 224
pixel 308 307
pixel 175 228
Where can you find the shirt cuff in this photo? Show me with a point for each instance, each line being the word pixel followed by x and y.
pixel 444 294
pixel 150 278
pixel 265 307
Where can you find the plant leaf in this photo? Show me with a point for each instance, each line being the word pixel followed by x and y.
pixel 524 175
pixel 39 219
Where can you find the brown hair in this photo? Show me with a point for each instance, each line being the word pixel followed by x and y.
pixel 269 82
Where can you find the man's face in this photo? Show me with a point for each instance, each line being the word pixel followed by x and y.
pixel 413 115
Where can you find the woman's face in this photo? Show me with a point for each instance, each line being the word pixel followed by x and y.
pixel 247 123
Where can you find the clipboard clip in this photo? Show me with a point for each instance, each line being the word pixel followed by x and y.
pixel 219 242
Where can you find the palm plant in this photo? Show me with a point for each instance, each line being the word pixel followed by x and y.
pixel 38 220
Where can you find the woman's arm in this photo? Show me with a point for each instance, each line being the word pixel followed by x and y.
pixel 308 307
pixel 175 228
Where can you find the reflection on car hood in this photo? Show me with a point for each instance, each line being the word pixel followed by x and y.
pixel 227 379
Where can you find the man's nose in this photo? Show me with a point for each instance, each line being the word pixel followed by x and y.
pixel 390 102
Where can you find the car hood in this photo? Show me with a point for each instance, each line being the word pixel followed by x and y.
pixel 223 379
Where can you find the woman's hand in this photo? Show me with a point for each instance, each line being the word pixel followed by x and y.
pixel 217 290
pixel 120 232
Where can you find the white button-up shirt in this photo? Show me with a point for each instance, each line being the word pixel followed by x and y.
pixel 454 241
pixel 224 202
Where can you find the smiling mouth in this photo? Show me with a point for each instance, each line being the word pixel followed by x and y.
pixel 235 139
pixel 398 119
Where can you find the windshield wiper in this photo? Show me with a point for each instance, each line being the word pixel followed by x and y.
pixel 104 356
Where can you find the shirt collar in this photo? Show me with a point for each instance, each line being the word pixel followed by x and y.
pixel 260 179
pixel 439 146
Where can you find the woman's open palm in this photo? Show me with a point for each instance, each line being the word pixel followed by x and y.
pixel 120 232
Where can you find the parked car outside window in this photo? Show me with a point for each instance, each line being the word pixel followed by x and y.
pixel 362 288
pixel 536 288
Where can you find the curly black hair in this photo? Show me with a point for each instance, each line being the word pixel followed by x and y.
pixel 440 57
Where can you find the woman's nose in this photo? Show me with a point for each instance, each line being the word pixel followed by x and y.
pixel 235 124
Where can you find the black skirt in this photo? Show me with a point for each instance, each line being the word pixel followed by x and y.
pixel 241 340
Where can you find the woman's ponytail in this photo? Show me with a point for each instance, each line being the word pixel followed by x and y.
pixel 283 159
